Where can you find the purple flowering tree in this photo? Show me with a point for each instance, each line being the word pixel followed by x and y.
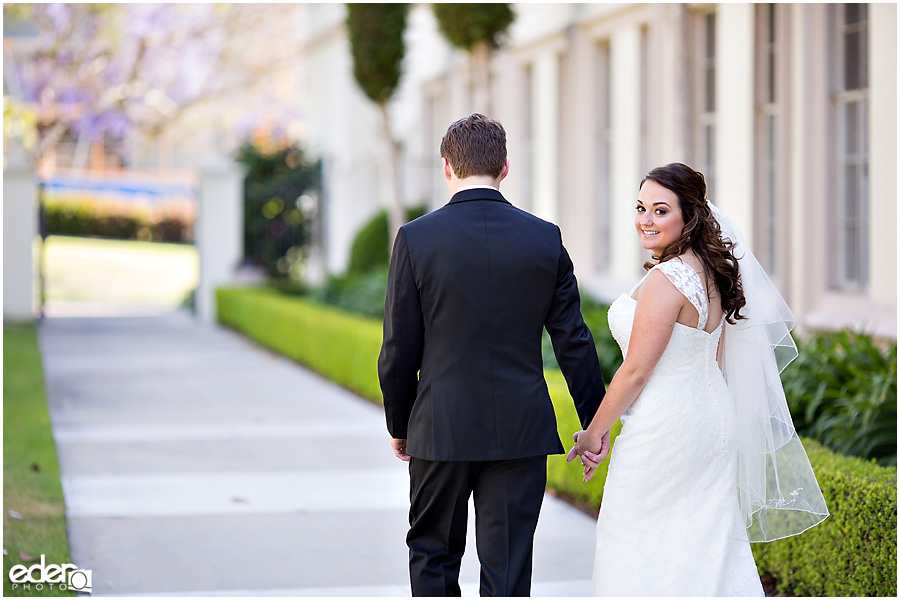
pixel 109 71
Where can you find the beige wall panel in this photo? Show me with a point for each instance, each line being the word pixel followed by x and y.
pixel 883 153
pixel 578 206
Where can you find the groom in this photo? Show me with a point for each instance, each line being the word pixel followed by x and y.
pixel 471 287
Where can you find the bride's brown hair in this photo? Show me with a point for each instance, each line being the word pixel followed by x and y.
pixel 701 234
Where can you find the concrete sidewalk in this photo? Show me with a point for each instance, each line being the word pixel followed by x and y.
pixel 196 463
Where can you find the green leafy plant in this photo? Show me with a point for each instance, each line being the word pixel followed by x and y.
pixel 276 221
pixel 362 289
pixel 370 245
pixel 595 316
pixel 608 351
pixel 361 294
pixel 842 391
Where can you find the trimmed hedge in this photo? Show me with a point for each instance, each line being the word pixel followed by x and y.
pixel 118 220
pixel 853 552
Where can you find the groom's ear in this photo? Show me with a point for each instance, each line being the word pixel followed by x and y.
pixel 504 171
pixel 448 170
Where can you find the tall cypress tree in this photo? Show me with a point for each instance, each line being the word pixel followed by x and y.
pixel 377 47
pixel 477 29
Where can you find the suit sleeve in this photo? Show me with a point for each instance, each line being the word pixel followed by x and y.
pixel 573 343
pixel 401 348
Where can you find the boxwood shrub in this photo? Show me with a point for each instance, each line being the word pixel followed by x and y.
pixel 852 553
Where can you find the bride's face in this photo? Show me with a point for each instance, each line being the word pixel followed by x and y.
pixel 658 218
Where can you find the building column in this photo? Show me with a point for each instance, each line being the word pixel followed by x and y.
pixel 808 97
pixel 578 162
pixel 545 92
pixel 883 153
pixel 20 228
pixel 625 151
pixel 673 80
pixel 219 232
pixel 734 114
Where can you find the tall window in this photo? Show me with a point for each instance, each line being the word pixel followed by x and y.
pixel 705 100
pixel 769 135
pixel 601 141
pixel 851 105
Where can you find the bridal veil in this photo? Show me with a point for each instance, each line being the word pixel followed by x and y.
pixel 778 492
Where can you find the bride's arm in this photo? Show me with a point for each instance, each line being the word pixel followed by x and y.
pixel 658 307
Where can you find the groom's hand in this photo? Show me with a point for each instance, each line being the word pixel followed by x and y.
pixel 574 451
pixel 590 465
pixel 399 447
pixel 590 460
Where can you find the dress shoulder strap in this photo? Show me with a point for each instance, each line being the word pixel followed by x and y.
pixel 688 282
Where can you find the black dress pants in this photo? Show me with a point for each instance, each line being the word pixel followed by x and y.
pixel 508 496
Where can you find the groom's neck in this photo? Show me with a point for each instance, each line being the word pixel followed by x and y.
pixel 456 184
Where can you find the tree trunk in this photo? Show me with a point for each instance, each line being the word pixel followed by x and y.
pixel 396 217
pixel 481 58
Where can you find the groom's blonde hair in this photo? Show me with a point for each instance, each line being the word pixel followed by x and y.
pixel 475 145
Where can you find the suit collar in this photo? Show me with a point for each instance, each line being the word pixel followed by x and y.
pixel 478 194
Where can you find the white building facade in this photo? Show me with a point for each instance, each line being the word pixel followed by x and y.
pixel 790 110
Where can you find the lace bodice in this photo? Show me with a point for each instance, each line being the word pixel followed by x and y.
pixel 688 282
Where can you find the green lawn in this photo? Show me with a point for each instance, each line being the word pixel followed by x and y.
pixel 31 487
pixel 90 270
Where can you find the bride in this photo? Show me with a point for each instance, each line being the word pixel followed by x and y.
pixel 707 460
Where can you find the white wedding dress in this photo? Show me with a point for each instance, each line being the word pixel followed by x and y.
pixel 670 522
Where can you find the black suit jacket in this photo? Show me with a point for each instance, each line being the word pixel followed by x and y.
pixel 471 287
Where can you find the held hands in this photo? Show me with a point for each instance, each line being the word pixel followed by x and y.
pixel 399 447
pixel 592 453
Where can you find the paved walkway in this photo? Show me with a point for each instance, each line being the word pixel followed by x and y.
pixel 196 463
